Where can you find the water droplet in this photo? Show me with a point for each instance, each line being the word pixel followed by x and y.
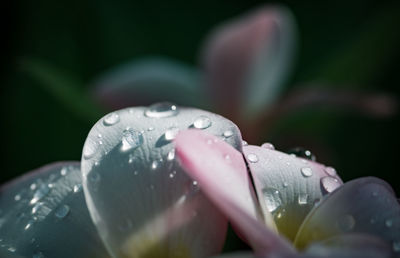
pixel 279 214
pixel 99 136
pixel 272 198
pixel 77 188
pixel 302 153
pixel 244 143
pixel 227 157
pixel 89 150
pixel 306 171
pixel 12 249
pixel 253 158
pixel 63 171
pixel 131 139
pixel 62 211
pixel 33 186
pixel 161 109
pixel 150 129
pixel 268 146
pixel 36 207
pixel 17 197
pixel 389 223
pixel 330 183
pixel 302 199
pixel 227 133
pixel 171 133
pixel 330 171
pixel 202 122
pixel 346 223
pixel 38 255
pixel 111 119
pixel 41 192
pixel 396 246
pixel 285 184
pixel 171 155
pixel 154 165
pixel 29 224
pixel 135 173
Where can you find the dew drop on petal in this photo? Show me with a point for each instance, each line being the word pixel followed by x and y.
pixel 202 122
pixel 89 150
pixel 12 249
pixel 268 146
pixel 329 183
pixel 302 153
pixel 111 119
pixel 272 198
pixel 306 171
pixel 161 109
pixel 17 197
pixel 253 158
pixel 346 223
pixel 285 184
pixel 62 211
pixel 171 133
pixel 227 133
pixel 77 188
pixel 33 186
pixel 244 143
pixel 330 171
pixel 302 199
pixel 154 165
pixel 171 155
pixel 41 192
pixel 131 139
pixel 63 171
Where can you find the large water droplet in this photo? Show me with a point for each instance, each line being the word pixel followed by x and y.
pixel 41 192
pixel 131 139
pixel 302 153
pixel 268 146
pixel 306 171
pixel 227 133
pixel 253 158
pixel 302 199
pixel 162 109
pixel 272 198
pixel 170 134
pixel 111 119
pixel 346 223
pixel 62 211
pixel 329 183
pixel 202 122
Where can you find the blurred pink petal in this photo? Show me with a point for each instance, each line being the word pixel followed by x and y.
pixel 246 61
pixel 366 205
pixel 288 186
pixel 222 176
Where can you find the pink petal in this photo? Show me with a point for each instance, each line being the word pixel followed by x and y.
pixel 247 59
pixel 366 205
pixel 222 176
pixel 288 186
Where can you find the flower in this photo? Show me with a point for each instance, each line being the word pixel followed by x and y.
pixel 163 181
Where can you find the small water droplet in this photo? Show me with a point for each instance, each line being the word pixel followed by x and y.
pixel 99 136
pixel 154 165
pixel 346 223
pixel 77 188
pixel 41 192
pixel 29 224
pixel 131 139
pixel 171 155
pixel 272 198
pixel 150 129
pixel 268 146
pixel 62 211
pixel 33 186
pixel 171 133
pixel 389 223
pixel 38 255
pixel 279 214
pixel 227 157
pixel 227 133
pixel 12 249
pixel 330 183
pixel 285 184
pixel 306 171
pixel 330 171
pixel 161 109
pixel 209 141
pixel 302 153
pixel 202 122
pixel 36 207
pixel 63 171
pixel 135 173
pixel 111 119
pixel 253 158
pixel 17 197
pixel 89 150
pixel 244 143
pixel 302 199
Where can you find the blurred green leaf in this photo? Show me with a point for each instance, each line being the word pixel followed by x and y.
pixel 63 87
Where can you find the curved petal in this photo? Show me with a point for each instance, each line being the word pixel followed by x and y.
pixel 251 57
pixel 288 186
pixel 139 198
pixel 44 213
pixel 222 175
pixel 366 205
pixel 350 246
pixel 149 80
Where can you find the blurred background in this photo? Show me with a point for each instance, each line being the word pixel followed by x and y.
pixel 55 49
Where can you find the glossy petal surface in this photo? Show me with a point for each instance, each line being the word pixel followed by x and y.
pixel 287 186
pixel 138 195
pixel 247 60
pixel 366 205
pixel 222 176
pixel 44 213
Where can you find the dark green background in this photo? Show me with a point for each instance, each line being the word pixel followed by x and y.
pixel 341 42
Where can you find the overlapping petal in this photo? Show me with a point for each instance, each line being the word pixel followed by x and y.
pixel 138 195
pixel 288 186
pixel 43 214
